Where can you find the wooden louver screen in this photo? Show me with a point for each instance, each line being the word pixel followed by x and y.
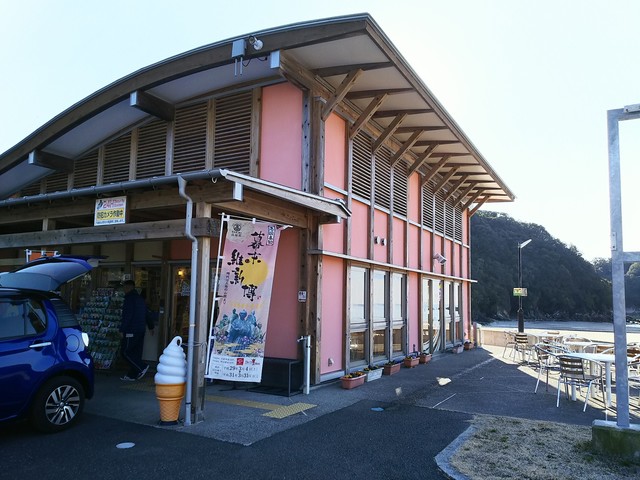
pixel 117 156
pixel 457 226
pixel 152 143
pixel 382 191
pixel 450 218
pixel 57 182
pixel 85 171
pixel 427 205
pixel 438 219
pixel 232 147
pixel 32 189
pixel 190 138
pixel 361 166
pixel 400 181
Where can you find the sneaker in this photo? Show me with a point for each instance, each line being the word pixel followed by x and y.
pixel 127 378
pixel 142 373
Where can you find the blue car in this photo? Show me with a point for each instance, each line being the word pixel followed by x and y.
pixel 46 372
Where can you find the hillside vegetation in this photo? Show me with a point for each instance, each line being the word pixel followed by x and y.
pixel 561 284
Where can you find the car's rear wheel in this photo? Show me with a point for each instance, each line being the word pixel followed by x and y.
pixel 57 404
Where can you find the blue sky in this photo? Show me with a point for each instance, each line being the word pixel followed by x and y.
pixel 528 82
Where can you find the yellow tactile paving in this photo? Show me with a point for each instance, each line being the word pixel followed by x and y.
pixel 287 410
pixel 243 403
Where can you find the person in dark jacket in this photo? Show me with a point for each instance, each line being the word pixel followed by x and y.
pixel 133 327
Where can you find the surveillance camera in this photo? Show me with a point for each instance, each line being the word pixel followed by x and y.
pixel 440 259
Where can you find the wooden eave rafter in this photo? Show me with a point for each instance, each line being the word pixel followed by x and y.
pixel 456 186
pixel 393 113
pixel 472 199
pixel 478 205
pixel 445 178
pixel 424 128
pixel 433 170
pixel 152 105
pixel 367 114
pixel 361 94
pixel 422 158
pixel 405 147
pixel 340 92
pixel 51 161
pixel 388 132
pixel 347 69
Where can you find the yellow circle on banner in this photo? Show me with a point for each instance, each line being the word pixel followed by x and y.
pixel 254 272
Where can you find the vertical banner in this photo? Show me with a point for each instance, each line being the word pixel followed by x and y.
pixel 236 346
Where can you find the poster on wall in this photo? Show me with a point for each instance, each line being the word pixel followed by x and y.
pixel 237 341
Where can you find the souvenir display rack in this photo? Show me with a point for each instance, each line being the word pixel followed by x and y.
pixel 101 317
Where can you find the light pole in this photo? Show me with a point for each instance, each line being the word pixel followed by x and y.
pixel 520 312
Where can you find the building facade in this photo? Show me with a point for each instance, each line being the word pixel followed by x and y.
pixel 322 126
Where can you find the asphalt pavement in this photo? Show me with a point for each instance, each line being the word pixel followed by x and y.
pixel 391 428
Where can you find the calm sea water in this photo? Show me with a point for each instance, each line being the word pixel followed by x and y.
pixel 605 329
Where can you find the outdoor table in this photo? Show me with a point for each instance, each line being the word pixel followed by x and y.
pixel 581 345
pixel 607 359
pixel 548 337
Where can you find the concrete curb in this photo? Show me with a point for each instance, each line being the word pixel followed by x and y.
pixel 442 459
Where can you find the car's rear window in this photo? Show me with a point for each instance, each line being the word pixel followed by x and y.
pixel 66 317
pixel 20 316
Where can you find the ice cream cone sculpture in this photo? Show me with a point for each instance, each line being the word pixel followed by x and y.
pixel 171 381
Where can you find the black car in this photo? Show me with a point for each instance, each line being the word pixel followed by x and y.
pixel 46 372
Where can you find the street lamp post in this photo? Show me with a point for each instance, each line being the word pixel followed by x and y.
pixel 520 312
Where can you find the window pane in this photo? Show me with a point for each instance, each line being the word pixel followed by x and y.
pixel 398 343
pixel 379 295
pixel 426 304
pixel 358 294
pixel 398 295
pixel 379 343
pixel 357 347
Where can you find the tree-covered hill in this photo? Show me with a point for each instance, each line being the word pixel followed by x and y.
pixel 560 283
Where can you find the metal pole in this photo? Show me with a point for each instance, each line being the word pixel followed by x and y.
pixel 520 312
pixel 306 339
pixel 617 270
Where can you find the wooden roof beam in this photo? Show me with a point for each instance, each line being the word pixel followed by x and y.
pixel 433 170
pixel 374 93
pixel 405 146
pixel 152 105
pixel 456 186
pixel 340 92
pixel 423 128
pixel 464 193
pixel 347 69
pixel 393 113
pixel 367 114
pixel 445 178
pixel 422 158
pixel 473 198
pixel 480 203
pixel 388 132
pixel 49 160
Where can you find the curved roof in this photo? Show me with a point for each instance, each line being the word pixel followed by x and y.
pixel 349 60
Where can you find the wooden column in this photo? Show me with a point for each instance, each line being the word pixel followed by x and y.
pixel 203 210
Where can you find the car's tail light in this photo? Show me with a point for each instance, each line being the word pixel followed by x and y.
pixel 85 339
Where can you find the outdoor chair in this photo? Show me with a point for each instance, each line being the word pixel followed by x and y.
pixel 509 342
pixel 572 373
pixel 523 346
pixel 547 362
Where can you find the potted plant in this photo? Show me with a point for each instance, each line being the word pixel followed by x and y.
pixel 352 380
pixel 457 348
pixel 424 357
pixel 468 345
pixel 391 368
pixel 373 372
pixel 411 361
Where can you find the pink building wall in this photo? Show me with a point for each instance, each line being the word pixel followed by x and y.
pixel 281 135
pixel 282 329
pixel 335 153
pixel 414 247
pixel 381 229
pixel 333 315
pixel 413 209
pixel 333 234
pixel 399 241
pixel 359 229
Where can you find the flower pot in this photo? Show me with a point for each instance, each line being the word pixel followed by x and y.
pixel 457 349
pixel 468 346
pixel 391 369
pixel 353 382
pixel 411 362
pixel 425 358
pixel 374 374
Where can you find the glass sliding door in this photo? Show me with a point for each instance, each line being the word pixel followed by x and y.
pixel 398 314
pixel 380 315
pixel 457 312
pixel 425 303
pixel 358 316
pixel 448 314
pixel 436 314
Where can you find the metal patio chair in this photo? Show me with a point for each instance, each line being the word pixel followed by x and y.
pixel 509 342
pixel 572 373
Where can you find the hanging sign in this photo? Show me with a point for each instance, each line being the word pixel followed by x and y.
pixel 236 345
pixel 110 211
pixel 519 292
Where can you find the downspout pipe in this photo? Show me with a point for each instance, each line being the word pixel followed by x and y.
pixel 182 184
